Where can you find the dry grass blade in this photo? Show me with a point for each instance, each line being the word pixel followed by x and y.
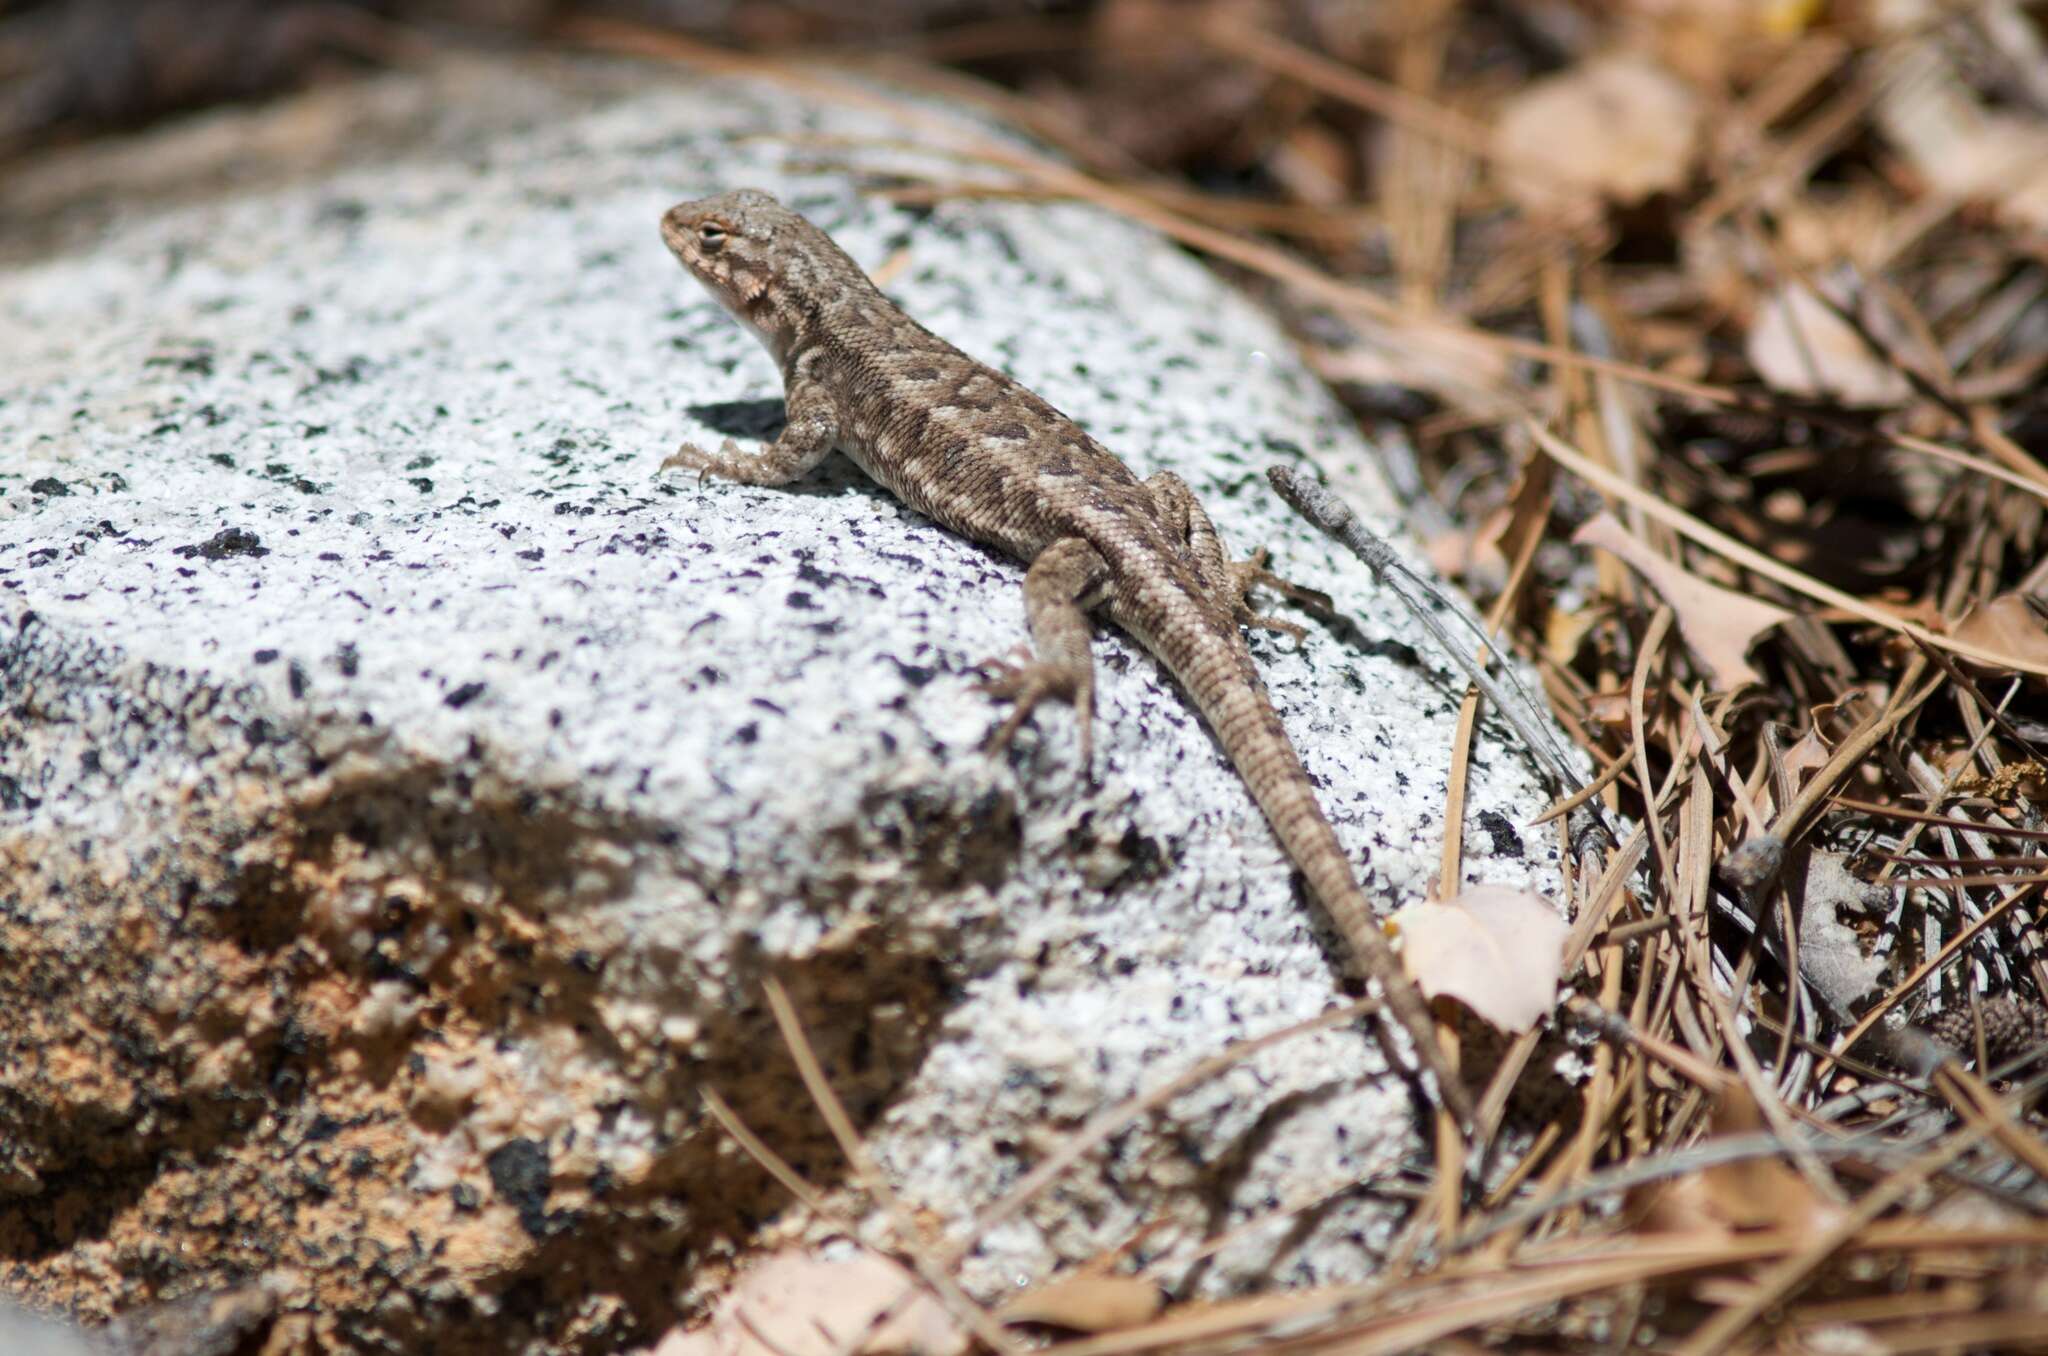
pixel 757 1149
pixel 934 1273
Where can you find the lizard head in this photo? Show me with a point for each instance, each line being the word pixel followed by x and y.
pixel 757 258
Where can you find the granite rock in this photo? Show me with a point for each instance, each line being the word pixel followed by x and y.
pixel 405 790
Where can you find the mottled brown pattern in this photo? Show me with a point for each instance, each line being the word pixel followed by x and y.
pixel 982 455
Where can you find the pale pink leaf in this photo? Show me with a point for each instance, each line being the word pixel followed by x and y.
pixel 1497 950
pixel 797 1304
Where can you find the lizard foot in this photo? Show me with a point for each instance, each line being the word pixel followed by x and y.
pixel 1029 682
pixel 720 463
pixel 1251 573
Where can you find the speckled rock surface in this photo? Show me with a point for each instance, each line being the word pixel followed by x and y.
pixel 404 790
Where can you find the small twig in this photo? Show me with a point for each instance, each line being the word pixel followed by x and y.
pixel 1335 518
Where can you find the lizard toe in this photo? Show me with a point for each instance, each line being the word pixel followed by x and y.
pixel 1291 630
pixel 1028 685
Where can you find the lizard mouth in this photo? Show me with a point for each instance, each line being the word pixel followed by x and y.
pixel 678 234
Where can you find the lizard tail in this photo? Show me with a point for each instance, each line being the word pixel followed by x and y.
pixel 1219 677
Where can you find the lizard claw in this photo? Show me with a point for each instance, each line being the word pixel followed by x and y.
pixel 694 458
pixel 1251 573
pixel 1028 682
pixel 1291 630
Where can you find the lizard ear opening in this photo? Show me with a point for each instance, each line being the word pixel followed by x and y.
pixel 711 236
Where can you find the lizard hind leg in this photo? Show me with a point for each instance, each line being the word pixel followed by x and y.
pixel 1229 583
pixel 1066 579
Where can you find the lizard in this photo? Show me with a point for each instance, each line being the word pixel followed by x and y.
pixel 978 452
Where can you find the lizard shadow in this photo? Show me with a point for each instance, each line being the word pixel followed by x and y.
pixel 761 419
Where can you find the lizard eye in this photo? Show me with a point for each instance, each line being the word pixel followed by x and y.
pixel 711 236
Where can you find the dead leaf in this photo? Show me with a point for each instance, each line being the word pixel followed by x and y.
pixel 1809 753
pixel 1752 1193
pixel 1831 957
pixel 1758 1193
pixel 1087 1302
pixel 1610 710
pixel 2007 625
pixel 1497 950
pixel 1800 346
pixel 1617 127
pixel 797 1304
pixel 1953 140
pixel 1718 624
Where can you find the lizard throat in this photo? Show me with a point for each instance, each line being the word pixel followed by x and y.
pixel 750 303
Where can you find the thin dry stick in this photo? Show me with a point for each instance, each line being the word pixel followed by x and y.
pixel 1615 1027
pixel 1616 768
pixel 1975 1101
pixel 936 1273
pixel 1871 807
pixel 775 1165
pixel 1638 721
pixel 1765 1094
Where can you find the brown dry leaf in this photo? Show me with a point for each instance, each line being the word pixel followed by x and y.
pixel 2007 625
pixel 1617 127
pixel 1087 1303
pixel 1754 1193
pixel 1682 1206
pixel 1499 951
pixel 1801 347
pixel 1565 631
pixel 1608 709
pixel 1809 753
pixel 1759 1193
pixel 796 1304
pixel 1719 624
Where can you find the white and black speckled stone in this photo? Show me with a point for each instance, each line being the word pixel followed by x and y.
pixel 329 519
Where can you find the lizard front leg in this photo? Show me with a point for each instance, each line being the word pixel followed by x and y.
pixel 1066 579
pixel 1228 582
pixel 808 437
